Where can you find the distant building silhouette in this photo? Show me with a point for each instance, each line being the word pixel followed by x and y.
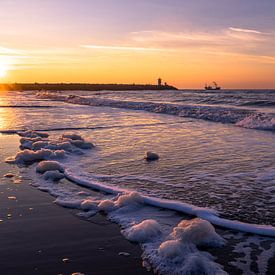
pixel 159 82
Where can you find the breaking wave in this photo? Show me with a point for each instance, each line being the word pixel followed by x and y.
pixel 241 117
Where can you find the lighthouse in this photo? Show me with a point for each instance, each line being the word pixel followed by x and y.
pixel 159 82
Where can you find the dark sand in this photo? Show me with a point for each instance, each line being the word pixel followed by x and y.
pixel 39 235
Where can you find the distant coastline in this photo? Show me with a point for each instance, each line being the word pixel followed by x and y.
pixel 82 86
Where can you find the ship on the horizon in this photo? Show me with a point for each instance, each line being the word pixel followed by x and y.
pixel 214 87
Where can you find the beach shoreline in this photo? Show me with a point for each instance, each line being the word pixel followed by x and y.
pixel 40 237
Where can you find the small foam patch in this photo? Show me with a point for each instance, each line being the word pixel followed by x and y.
pixel 49 165
pixel 143 232
pixel 30 156
pixel 106 206
pixel 133 198
pixel 198 232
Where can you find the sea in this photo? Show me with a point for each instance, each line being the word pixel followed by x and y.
pixel 216 148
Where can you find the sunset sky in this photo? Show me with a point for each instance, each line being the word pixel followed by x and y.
pixel 187 43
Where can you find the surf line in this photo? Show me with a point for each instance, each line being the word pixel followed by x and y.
pixel 204 213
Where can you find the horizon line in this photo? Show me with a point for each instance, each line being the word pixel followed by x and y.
pixel 141 84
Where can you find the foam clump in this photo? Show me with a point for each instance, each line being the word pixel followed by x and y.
pixel 198 232
pixel 77 141
pixel 64 145
pixel 38 145
pixel 68 142
pixel 106 206
pixel 150 156
pixel 143 232
pixel 29 156
pixel 194 262
pixel 27 142
pixel 181 252
pixel 53 175
pixel 49 165
pixel 187 235
pixel 132 198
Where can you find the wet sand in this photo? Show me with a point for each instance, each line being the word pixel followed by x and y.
pixel 37 237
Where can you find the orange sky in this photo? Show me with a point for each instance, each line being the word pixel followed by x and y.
pixel 84 47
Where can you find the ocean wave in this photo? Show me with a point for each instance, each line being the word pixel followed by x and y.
pixel 260 103
pixel 57 129
pixel 211 113
pixel 258 121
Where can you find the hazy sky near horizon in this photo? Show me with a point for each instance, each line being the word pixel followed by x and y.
pixel 187 43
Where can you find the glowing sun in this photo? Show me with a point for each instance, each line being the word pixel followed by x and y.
pixel 3 70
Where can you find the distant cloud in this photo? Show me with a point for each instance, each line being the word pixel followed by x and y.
pixel 120 48
pixel 246 30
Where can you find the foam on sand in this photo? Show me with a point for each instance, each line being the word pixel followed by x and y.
pixel 143 232
pixel 28 156
pixel 69 142
pixel 36 146
pixel 49 165
pixel 106 206
pixel 197 231
pixel 179 253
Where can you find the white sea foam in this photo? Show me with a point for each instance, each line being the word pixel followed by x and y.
pixel 258 121
pixel 205 213
pixel 107 206
pixel 179 253
pixel 69 142
pixel 197 231
pixel 49 165
pixel 143 232
pixel 37 146
pixel 29 156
